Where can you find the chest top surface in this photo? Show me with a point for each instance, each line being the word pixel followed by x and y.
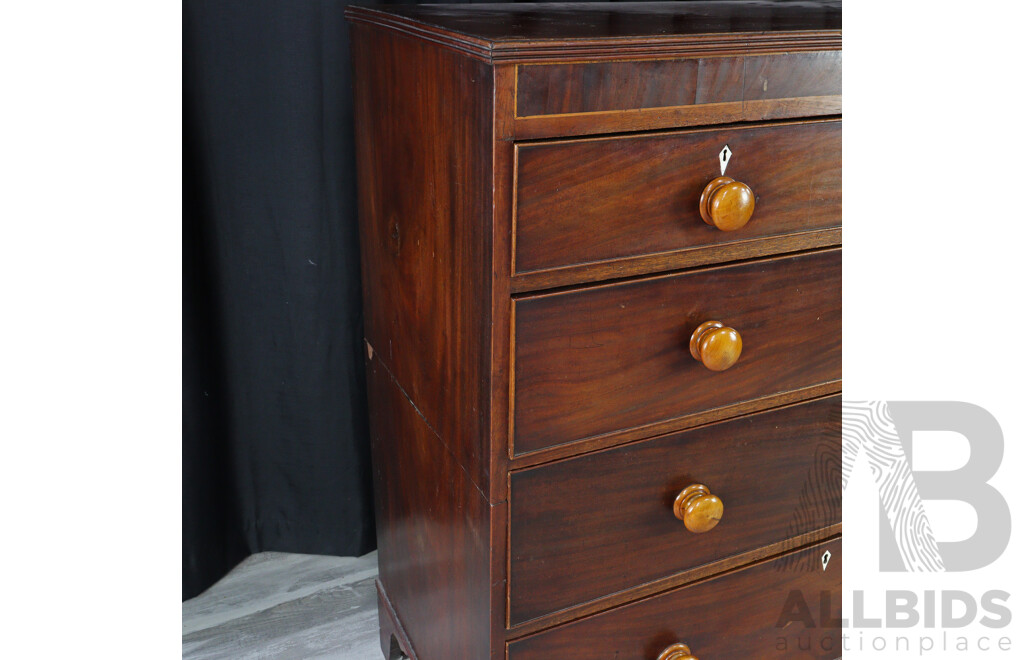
pixel 501 30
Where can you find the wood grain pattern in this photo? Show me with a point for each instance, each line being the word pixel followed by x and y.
pixel 424 133
pixel 737 616
pixel 675 260
pixel 695 420
pixel 460 362
pixel 609 358
pixel 522 32
pixel 622 121
pixel 585 201
pixel 565 89
pixel 425 248
pixel 393 639
pixel 501 351
pixel 432 531
pixel 659 586
pixel 601 523
pixel 570 21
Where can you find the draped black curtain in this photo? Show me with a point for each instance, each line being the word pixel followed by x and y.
pixel 275 441
pixel 275 446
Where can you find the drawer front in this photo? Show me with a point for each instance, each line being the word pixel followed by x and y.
pixel 596 87
pixel 737 616
pixel 582 202
pixel 611 358
pixel 580 98
pixel 591 526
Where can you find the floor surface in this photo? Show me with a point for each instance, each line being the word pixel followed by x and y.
pixel 279 606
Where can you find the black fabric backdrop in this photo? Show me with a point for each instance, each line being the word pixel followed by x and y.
pixel 275 443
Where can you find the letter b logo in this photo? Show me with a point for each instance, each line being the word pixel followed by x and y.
pixel 883 431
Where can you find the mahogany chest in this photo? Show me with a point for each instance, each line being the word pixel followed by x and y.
pixel 601 259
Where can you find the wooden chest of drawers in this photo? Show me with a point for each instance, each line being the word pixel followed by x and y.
pixel 602 270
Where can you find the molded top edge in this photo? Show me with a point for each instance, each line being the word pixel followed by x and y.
pixel 544 30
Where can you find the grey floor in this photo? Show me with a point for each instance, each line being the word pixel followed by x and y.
pixel 278 606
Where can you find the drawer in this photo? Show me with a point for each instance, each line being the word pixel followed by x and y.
pixel 592 97
pixel 608 359
pixel 591 526
pixel 580 203
pixel 737 616
pixel 740 83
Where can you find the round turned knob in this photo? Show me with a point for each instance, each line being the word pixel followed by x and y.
pixel 699 510
pixel 726 203
pixel 715 345
pixel 677 652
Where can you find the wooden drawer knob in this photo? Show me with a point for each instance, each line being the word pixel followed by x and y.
pixel 715 345
pixel 699 510
pixel 726 203
pixel 677 652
